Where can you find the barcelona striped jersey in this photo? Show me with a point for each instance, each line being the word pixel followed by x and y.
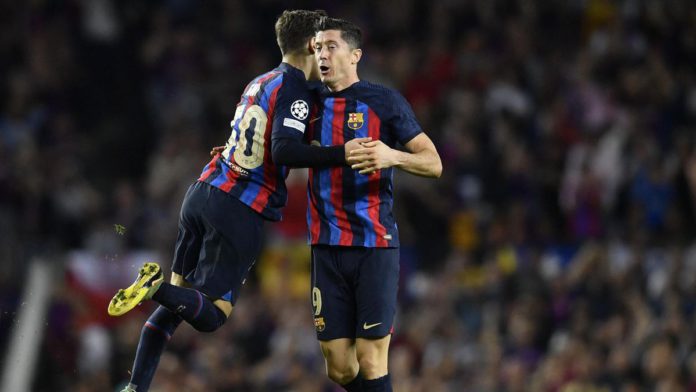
pixel 275 103
pixel 346 208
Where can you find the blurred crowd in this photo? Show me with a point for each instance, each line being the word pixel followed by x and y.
pixel 556 253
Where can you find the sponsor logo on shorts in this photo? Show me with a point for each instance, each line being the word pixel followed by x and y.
pixel 368 326
pixel 387 237
pixel 319 323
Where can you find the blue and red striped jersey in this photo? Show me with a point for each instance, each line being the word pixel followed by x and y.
pixel 347 208
pixel 277 103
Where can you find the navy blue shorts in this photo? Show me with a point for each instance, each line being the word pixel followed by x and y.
pixel 219 241
pixel 354 291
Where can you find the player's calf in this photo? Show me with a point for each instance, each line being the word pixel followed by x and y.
pixel 341 376
pixel 156 332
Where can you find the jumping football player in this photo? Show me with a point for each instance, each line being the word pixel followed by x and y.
pixel 223 212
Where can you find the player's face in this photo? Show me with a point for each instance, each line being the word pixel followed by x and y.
pixel 314 72
pixel 337 61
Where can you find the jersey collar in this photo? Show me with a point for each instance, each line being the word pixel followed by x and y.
pixel 287 68
pixel 326 92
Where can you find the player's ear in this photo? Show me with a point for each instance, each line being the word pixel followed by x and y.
pixel 310 48
pixel 355 56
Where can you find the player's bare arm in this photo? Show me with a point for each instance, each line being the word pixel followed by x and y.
pixel 421 159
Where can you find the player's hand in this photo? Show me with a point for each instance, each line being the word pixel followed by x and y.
pixel 217 150
pixel 372 156
pixel 354 144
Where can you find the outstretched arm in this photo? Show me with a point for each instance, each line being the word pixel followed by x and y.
pixel 294 153
pixel 421 159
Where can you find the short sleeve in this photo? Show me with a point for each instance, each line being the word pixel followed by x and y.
pixel 403 121
pixel 293 108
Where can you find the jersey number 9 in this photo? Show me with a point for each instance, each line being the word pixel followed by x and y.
pixel 316 300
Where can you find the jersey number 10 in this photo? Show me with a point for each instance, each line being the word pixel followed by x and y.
pixel 247 146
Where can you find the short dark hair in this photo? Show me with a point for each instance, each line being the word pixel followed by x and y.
pixel 294 28
pixel 350 32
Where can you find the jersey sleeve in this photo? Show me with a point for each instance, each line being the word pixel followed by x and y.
pixel 291 120
pixel 403 120
pixel 292 109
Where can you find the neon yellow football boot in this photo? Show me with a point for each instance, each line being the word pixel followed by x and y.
pixel 147 283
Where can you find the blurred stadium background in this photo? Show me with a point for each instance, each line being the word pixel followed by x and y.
pixel 557 253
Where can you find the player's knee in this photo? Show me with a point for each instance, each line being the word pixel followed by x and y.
pixel 373 357
pixel 214 319
pixel 209 327
pixel 341 375
pixel 212 324
pixel 340 366
pixel 372 366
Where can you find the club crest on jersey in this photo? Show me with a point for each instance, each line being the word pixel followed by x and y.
pixel 319 323
pixel 355 120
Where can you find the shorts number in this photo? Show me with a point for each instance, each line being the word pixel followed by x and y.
pixel 316 300
pixel 248 146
